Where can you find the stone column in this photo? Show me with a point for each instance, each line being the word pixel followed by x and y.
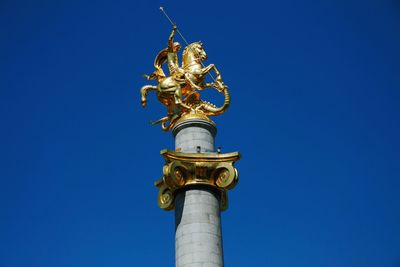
pixel 198 239
pixel 195 183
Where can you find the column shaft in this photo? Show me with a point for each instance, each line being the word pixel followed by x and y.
pixel 198 238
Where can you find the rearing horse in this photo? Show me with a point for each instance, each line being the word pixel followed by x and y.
pixel 192 58
pixel 181 95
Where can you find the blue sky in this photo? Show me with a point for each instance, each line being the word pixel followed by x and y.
pixel 315 113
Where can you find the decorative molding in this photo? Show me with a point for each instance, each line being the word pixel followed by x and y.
pixel 187 169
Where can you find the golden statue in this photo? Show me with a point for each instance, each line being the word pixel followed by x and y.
pixel 179 91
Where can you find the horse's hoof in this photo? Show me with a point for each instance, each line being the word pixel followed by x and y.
pixel 144 104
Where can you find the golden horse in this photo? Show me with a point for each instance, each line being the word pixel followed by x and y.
pixel 181 95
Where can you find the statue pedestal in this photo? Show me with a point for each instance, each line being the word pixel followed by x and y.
pixel 195 183
pixel 198 238
pixel 194 135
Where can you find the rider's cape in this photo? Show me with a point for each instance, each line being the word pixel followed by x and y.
pixel 158 62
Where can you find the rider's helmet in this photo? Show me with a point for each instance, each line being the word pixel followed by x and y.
pixel 176 46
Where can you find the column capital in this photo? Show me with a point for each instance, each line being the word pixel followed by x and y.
pixel 182 170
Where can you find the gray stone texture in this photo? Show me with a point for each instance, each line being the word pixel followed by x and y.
pixel 198 239
pixel 194 133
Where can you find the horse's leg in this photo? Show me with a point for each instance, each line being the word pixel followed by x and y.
pixel 210 85
pixel 210 67
pixel 218 83
pixel 178 99
pixel 144 91
pixel 217 73
pixel 171 110
pixel 207 69
pixel 191 82
pixel 220 86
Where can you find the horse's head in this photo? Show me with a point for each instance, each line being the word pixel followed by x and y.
pixel 195 51
pixel 198 46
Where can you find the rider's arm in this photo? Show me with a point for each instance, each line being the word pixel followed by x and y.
pixel 171 38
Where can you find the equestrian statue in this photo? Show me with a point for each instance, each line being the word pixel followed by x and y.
pixel 180 91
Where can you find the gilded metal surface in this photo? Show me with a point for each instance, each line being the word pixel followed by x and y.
pixel 179 91
pixel 186 169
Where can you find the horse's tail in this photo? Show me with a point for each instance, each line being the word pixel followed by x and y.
pixel 210 109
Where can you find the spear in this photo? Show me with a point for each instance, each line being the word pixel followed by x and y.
pixel 183 38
